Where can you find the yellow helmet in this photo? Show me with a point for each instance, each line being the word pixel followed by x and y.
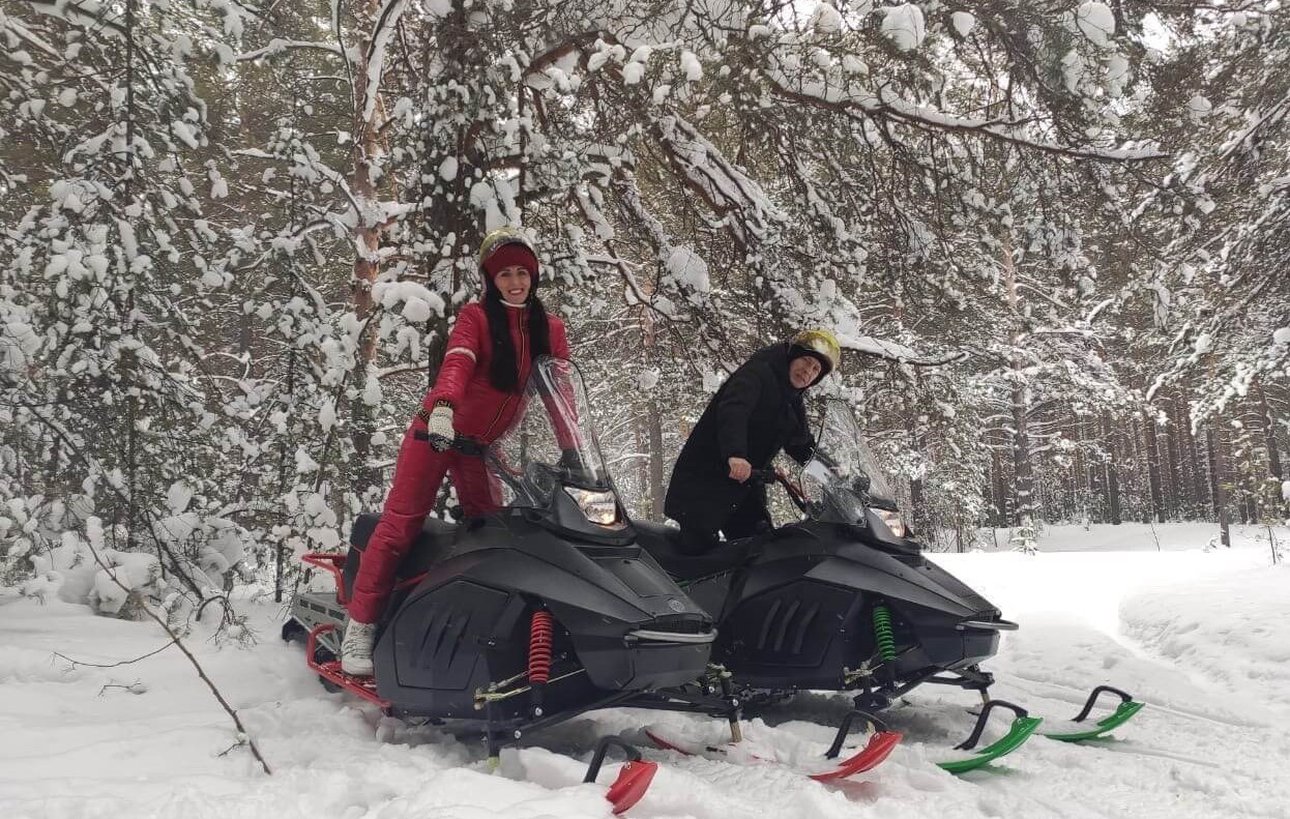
pixel 821 345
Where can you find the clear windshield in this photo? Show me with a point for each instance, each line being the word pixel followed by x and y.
pixel 844 470
pixel 551 443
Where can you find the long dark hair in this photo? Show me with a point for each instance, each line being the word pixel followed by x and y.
pixel 504 372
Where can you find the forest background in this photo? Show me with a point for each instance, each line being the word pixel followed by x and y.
pixel 233 236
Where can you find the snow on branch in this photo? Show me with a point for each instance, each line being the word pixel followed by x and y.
pixel 887 106
pixel 382 31
pixel 88 14
pixel 892 351
pixel 278 46
pixel 724 187
pixel 12 24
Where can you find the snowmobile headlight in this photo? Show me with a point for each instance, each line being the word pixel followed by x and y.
pixel 599 507
pixel 893 522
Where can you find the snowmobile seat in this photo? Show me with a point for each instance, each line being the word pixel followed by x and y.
pixel 434 543
pixel 664 543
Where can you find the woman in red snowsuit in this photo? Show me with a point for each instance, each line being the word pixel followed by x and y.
pixel 477 394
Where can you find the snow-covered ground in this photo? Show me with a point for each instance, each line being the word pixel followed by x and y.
pixel 1202 637
pixel 1127 537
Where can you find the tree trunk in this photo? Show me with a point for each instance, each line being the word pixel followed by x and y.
pixel 1174 480
pixel 1093 479
pixel 1022 477
pixel 655 422
pixel 1079 496
pixel 640 429
pixel 1001 516
pixel 1153 466
pixel 1200 493
pixel 1111 472
pixel 917 507
pixel 367 242
pixel 1269 431
pixel 1218 479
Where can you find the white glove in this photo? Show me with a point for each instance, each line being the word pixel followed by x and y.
pixel 439 424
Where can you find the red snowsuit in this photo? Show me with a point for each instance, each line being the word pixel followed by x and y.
pixel 479 411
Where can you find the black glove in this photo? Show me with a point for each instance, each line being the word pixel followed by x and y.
pixel 571 459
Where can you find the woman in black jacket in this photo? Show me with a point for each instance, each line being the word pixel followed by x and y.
pixel 755 414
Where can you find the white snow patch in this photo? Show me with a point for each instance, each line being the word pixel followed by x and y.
pixel 963 23
pixel 691 66
pixel 448 168
pixel 420 303
pixel 1198 108
pixel 1096 21
pixel 905 26
pixel 304 463
pixel 826 19
pixel 178 497
pixel 184 132
pixel 372 391
pixel 327 415
pixel 1228 628
pixel 689 269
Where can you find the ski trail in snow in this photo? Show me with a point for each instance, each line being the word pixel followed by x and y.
pixel 1130 747
pixel 1153 704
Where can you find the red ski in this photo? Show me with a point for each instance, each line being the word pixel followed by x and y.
pixel 881 744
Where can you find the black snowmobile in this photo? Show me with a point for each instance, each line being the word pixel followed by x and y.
pixel 527 617
pixel 843 600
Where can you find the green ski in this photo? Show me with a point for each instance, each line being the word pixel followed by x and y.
pixel 1077 730
pixel 1023 726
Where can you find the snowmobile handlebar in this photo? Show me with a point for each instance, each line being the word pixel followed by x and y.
pixel 768 476
pixel 462 444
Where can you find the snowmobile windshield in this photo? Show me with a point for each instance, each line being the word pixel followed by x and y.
pixel 844 471
pixel 550 456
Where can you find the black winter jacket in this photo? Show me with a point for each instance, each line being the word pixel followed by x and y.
pixel 754 415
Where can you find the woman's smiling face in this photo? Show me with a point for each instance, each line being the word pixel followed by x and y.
pixel 514 283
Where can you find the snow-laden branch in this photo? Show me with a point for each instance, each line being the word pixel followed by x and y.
pixel 333 176
pixel 725 188
pixel 892 351
pixel 887 106
pixel 399 369
pixel 278 46
pixel 88 13
pixel 12 24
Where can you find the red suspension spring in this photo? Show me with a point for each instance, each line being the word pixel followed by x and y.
pixel 540 647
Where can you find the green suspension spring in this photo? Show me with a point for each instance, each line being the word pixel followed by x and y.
pixel 883 633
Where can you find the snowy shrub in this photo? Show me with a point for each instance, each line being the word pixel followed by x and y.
pixel 103 578
pixel 1025 538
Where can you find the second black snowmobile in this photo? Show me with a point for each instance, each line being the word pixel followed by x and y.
pixel 844 600
pixel 527 617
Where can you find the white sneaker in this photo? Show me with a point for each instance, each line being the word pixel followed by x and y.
pixel 356 648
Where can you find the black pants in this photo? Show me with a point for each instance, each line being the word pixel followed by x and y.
pixel 747 519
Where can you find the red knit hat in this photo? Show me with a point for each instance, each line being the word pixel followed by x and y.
pixel 511 253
